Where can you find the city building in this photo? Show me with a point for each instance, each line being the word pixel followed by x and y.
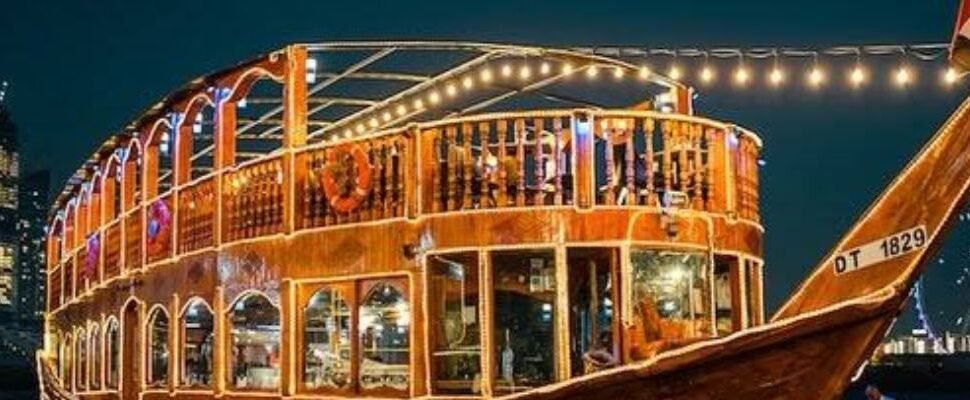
pixel 31 261
pixel 9 175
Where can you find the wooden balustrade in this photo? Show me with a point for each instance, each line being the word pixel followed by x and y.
pixel 133 240
pixel 479 162
pixel 636 166
pixel 196 216
pixel 385 160
pixel 111 242
pixel 253 202
pixel 497 163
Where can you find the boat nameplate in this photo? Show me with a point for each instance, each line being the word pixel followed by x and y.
pixel 883 249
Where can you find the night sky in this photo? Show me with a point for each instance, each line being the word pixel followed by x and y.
pixel 80 71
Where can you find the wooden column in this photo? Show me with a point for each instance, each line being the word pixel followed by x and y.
pixel 412 178
pixel 294 134
pixel 224 153
pixel 288 375
pixel 220 342
pixel 583 161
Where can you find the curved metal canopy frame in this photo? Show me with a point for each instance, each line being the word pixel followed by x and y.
pixel 386 86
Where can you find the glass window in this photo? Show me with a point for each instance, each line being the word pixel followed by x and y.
pixel 671 300
pixel 158 348
pixel 255 327
pixel 113 346
pixel 66 362
pixel 525 297
pixel 197 344
pixel 384 326
pixel 725 267
pixel 326 338
pixel 456 334
pixel 95 346
pixel 592 326
pixel 81 374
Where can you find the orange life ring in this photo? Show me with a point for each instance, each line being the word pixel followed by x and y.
pixel 347 185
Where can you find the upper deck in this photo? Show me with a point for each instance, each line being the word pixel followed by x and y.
pixel 262 159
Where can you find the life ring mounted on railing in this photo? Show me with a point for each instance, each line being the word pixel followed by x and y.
pixel 347 178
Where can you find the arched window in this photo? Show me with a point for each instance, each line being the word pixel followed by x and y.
pixel 113 347
pixel 197 346
pixel 158 348
pixel 326 338
pixel 94 343
pixel 385 325
pixel 66 362
pixel 81 371
pixel 255 327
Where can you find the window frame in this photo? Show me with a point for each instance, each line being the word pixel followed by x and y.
pixel 349 290
pixel 153 313
pixel 182 326
pixel 229 368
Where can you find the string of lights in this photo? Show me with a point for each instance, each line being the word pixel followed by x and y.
pixel 673 62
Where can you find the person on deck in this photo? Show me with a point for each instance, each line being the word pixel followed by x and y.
pixel 873 393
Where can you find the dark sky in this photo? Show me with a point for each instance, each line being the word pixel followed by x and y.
pixel 79 70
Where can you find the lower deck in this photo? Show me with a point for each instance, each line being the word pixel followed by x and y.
pixel 481 322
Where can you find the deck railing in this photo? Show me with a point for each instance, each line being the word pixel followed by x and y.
pixel 577 158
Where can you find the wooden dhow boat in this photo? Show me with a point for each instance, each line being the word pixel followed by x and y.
pixel 456 220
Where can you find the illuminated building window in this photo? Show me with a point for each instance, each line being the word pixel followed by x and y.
pixel 385 325
pixel 453 295
pixel 593 324
pixel 326 341
pixel 198 339
pixel 671 300
pixel 255 327
pixel 158 348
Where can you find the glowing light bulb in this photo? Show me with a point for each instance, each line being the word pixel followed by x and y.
pixel 592 71
pixel 347 133
pixel 386 116
pixel 776 77
pixel 361 128
pixel 741 76
pixel 486 75
pixel 903 76
pixel 618 73
pixel 434 97
pixel 451 90
pixel 707 74
pixel 816 77
pixel 675 73
pixel 644 72
pixel 544 68
pixel 857 76
pixel 950 76
pixel 506 70
pixel 525 72
pixel 418 104
pixel 467 83
pixel 373 122
pixel 567 69
pixel 401 109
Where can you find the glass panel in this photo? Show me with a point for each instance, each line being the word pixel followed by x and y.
pixel 82 361
pixel 113 347
pixel 198 340
pixel 255 343
pixel 592 289
pixel 524 285
pixel 671 300
pixel 453 307
pixel 95 344
pixel 385 323
pixel 158 344
pixel 66 362
pixel 326 337
pixel 724 293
